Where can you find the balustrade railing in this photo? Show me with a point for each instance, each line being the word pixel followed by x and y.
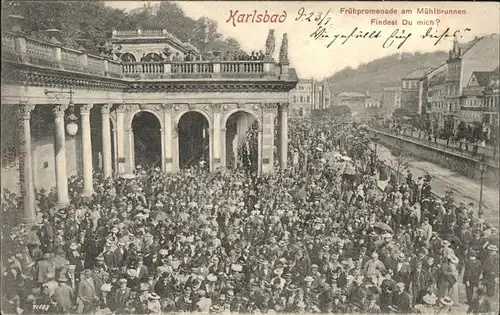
pixel 53 55
pixel 69 59
pixel 95 65
pixel 8 44
pixel 242 67
pixel 39 53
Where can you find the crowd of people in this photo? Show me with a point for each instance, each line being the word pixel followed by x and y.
pixel 319 237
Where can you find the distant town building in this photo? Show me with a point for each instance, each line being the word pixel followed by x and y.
pixel 436 91
pixel 322 95
pixel 413 92
pixel 481 100
pixel 446 82
pixel 391 99
pixel 354 100
pixel 371 102
pixel 152 9
pixel 301 98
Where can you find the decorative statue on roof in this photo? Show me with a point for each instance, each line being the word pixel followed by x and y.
pixel 284 50
pixel 270 44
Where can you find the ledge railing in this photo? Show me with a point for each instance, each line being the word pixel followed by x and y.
pixel 19 48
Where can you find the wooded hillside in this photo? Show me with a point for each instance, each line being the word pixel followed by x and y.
pixel 383 72
pixel 94 21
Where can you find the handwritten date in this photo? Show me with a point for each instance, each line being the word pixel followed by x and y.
pixel 319 18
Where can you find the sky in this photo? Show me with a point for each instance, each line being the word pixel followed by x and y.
pixel 307 44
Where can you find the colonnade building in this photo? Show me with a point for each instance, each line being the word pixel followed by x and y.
pixel 66 112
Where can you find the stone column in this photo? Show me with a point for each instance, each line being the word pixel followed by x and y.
pixel 259 151
pixel 120 138
pixel 106 141
pixel 223 146
pixel 167 112
pixel 25 166
pixel 88 188
pixel 60 156
pixel 215 138
pixel 283 118
pixel 267 143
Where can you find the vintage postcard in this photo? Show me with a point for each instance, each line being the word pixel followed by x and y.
pixel 249 157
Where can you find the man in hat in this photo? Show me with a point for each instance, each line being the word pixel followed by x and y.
pixel 373 265
pixel 64 295
pixel 490 269
pixel 472 274
pixel 122 295
pixel 44 267
pixel 480 305
pixel 109 256
pixel 75 258
pixel 87 292
pixel 402 270
pixel 400 299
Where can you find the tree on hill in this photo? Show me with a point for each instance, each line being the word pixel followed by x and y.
pixel 94 21
pixel 382 72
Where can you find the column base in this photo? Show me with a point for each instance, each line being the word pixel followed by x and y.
pixel 61 205
pixel 29 221
pixel 87 193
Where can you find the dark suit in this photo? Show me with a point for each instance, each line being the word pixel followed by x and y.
pixel 477 307
pixel 472 272
pixel 402 302
pixel 121 297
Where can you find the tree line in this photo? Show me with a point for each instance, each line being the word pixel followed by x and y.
pixel 93 21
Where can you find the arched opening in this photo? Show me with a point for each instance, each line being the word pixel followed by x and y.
pixel 128 57
pixel 147 140
pixel 152 56
pixel 242 132
pixel 194 142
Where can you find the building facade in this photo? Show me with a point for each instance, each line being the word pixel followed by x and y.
pixel 322 95
pixel 391 100
pixel 480 101
pixel 301 99
pixel 446 82
pixel 66 112
pixel 413 91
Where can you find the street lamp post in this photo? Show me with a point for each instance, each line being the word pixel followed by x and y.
pixel 483 165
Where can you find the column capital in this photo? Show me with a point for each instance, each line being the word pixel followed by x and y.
pixel 223 129
pixel 168 107
pixel 270 106
pixel 217 107
pixel 283 106
pixel 85 109
pixel 59 109
pixel 25 110
pixel 105 108
pixel 122 108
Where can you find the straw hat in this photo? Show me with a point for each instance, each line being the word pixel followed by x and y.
pixel 446 301
pixel 430 299
pixel 492 247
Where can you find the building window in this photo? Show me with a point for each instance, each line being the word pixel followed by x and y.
pixel 295 98
pixel 301 112
pixel 301 99
pixel 308 100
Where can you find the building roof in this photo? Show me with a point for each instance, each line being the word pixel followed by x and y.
pixel 351 94
pixel 418 73
pixel 465 47
pixel 482 77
